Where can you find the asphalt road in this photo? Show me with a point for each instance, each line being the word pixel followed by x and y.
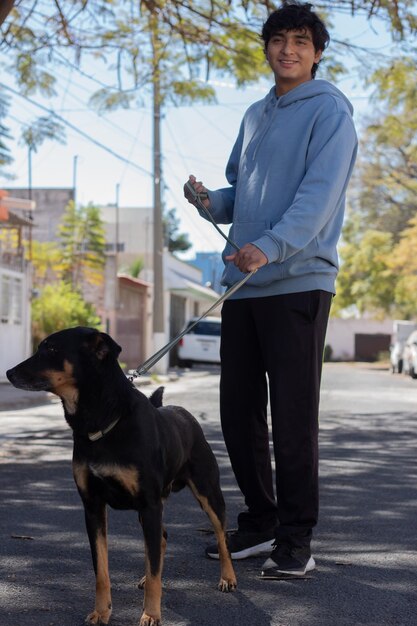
pixel 365 545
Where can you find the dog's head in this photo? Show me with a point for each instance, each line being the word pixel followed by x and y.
pixel 62 359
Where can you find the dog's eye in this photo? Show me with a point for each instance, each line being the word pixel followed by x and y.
pixel 49 348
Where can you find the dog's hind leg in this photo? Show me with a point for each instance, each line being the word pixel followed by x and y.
pixel 96 522
pixel 211 500
pixel 155 545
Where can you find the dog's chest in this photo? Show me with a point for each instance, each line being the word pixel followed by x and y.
pixel 127 477
pixel 118 484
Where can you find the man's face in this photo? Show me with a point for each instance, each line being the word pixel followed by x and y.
pixel 291 55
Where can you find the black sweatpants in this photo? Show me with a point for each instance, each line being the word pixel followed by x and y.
pixel 276 340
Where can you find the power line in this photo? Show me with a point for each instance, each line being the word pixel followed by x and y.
pixel 77 130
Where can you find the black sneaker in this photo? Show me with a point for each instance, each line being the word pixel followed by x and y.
pixel 288 560
pixel 243 544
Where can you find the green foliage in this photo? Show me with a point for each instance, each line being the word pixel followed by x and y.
pixel 82 242
pixel 41 129
pixel 62 270
pixel 379 272
pixel 46 261
pixel 57 307
pixel 175 241
pixel 31 75
pixel 136 267
pixel 5 155
pixel 178 43
pixel 403 264
pixel 365 278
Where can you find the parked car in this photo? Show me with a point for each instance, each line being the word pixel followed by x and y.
pixel 410 355
pixel 396 357
pixel 202 343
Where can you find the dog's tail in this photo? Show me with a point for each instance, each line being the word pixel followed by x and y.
pixel 156 397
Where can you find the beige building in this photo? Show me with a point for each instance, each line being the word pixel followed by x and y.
pixel 50 205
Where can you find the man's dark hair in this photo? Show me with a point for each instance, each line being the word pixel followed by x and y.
pixel 297 16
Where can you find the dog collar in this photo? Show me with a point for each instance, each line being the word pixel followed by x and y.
pixel 100 433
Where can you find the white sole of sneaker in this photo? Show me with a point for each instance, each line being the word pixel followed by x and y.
pixel 259 550
pixel 270 564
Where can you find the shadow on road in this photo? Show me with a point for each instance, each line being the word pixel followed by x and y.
pixel 365 544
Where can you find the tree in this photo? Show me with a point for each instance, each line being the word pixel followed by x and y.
pixel 192 39
pixel 82 242
pixel 5 154
pixel 46 260
pixel 61 270
pixel 175 241
pixel 387 169
pixel 366 280
pixel 5 8
pixel 403 265
pixel 383 210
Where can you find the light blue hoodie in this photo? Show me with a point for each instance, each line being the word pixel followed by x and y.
pixel 288 172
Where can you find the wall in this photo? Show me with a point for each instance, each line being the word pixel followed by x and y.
pixel 50 207
pixel 341 334
pixel 14 319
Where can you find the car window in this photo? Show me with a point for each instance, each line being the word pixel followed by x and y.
pixel 206 328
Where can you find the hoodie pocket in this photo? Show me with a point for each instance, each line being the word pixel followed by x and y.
pixel 242 233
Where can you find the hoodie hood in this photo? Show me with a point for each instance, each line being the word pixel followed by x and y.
pixel 309 89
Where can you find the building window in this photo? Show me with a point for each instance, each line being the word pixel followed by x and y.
pixel 17 301
pixel 5 299
pixel 11 300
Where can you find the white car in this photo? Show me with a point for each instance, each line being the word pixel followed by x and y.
pixel 202 343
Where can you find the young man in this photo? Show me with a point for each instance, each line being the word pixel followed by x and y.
pixel 288 173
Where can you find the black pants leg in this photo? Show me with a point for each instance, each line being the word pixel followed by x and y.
pixel 282 336
pixel 243 410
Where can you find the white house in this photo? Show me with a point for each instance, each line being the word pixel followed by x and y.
pixel 15 284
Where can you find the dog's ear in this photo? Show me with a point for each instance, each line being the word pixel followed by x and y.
pixel 104 345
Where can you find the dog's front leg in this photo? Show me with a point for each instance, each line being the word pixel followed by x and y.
pixel 96 522
pixel 155 544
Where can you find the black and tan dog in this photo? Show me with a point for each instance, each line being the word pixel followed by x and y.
pixel 129 452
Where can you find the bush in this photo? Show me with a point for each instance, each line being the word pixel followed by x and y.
pixel 57 307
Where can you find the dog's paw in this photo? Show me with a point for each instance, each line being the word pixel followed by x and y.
pixel 147 620
pixel 141 583
pixel 227 585
pixel 98 618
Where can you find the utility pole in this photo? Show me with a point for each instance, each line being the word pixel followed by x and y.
pixel 158 314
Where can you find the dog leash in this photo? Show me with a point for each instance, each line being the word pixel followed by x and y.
pixel 198 201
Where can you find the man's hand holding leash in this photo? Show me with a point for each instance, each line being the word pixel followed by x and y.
pixel 249 258
pixel 199 189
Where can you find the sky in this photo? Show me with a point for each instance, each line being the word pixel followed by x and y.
pixel 196 139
